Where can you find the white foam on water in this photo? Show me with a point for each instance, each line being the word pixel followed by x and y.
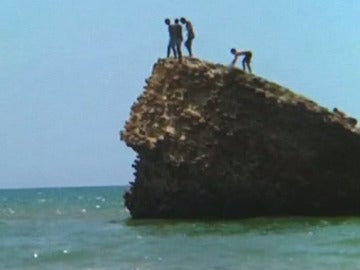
pixel 99 198
pixel 98 206
pixel 65 251
pixel 324 222
pixel 83 211
pixel 58 212
pixel 36 255
pixel 11 211
pixel 42 200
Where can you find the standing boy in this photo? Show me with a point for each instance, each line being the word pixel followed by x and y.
pixel 190 34
pixel 178 38
pixel 171 44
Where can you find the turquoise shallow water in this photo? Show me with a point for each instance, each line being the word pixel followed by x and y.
pixel 89 228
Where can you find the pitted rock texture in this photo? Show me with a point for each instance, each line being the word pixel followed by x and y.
pixel 215 142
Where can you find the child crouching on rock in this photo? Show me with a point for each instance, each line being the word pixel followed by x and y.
pixel 245 62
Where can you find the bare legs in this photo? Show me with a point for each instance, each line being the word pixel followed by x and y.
pixel 188 44
pixel 246 63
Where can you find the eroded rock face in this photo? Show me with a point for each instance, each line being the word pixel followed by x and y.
pixel 216 142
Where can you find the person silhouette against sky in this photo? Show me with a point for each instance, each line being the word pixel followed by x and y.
pixel 190 34
pixel 178 38
pixel 171 45
pixel 246 60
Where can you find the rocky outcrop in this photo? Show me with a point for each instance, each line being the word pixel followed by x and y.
pixel 213 141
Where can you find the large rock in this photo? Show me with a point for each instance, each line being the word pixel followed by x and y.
pixel 213 141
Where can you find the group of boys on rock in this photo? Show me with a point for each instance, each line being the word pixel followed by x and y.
pixel 176 38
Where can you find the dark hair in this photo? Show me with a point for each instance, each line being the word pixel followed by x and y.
pixel 167 21
pixel 183 20
pixel 233 50
pixel 176 20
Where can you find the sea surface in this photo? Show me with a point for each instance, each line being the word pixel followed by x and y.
pixel 89 228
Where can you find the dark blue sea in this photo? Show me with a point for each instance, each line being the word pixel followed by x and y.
pixel 89 228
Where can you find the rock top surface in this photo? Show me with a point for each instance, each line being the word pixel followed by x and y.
pixel 215 142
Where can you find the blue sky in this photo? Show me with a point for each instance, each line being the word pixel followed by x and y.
pixel 70 70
